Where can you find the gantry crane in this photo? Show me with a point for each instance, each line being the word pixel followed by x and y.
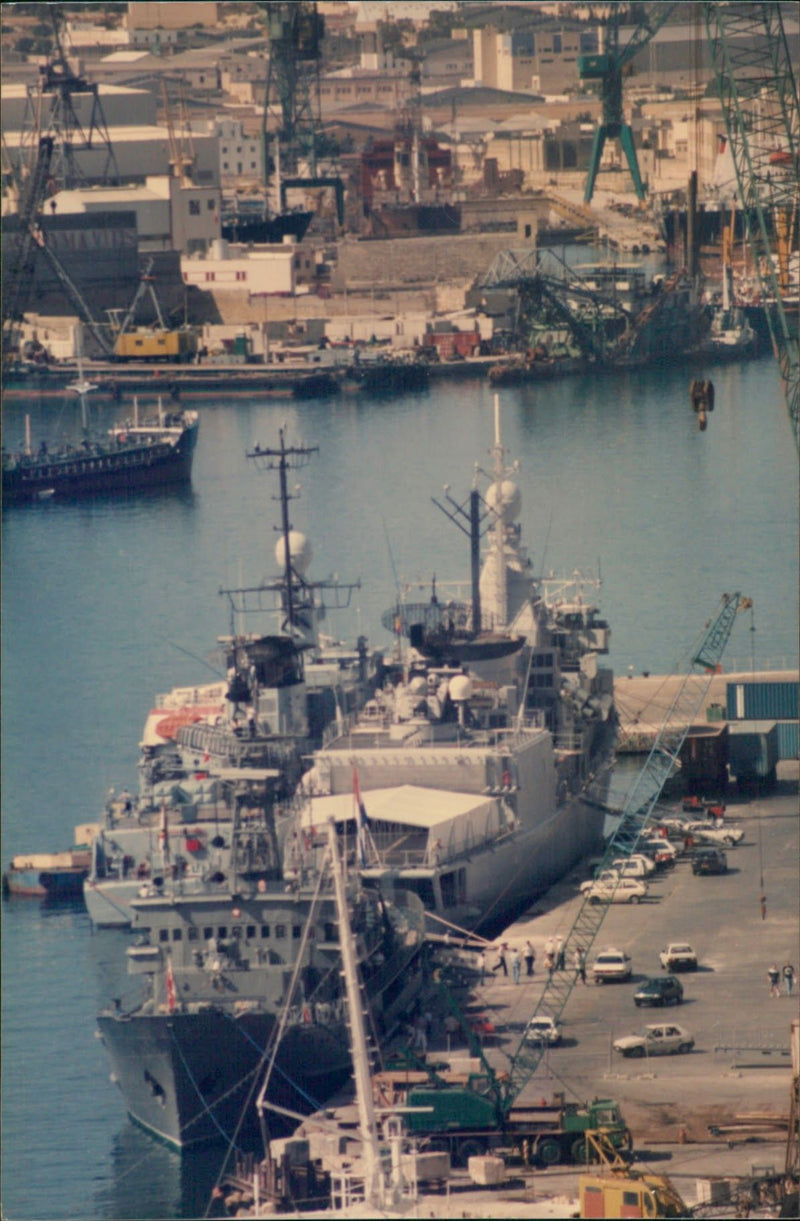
pixel 608 67
pixel 505 1088
pixel 758 91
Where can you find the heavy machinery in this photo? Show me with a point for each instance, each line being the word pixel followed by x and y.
pixel 619 1191
pixel 758 91
pixel 608 66
pixel 484 1108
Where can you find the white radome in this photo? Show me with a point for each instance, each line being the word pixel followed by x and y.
pixel 460 688
pixel 505 500
pixel 299 551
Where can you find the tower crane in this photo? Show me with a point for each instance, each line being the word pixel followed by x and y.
pixel 608 67
pixel 758 91
pixel 505 1088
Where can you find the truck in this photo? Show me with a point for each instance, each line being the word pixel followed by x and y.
pixel 619 1191
pixel 464 1120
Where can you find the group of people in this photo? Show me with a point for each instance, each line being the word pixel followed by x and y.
pixel 774 975
pixel 554 960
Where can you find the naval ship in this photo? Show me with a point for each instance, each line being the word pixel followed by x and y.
pixel 248 973
pixel 477 775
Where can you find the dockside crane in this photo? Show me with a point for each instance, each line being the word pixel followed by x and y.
pixel 506 1087
pixel 608 66
pixel 758 91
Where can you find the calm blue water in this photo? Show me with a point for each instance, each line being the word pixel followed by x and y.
pixel 105 603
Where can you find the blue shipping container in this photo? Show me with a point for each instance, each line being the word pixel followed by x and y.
pixel 762 701
pixel 753 749
pixel 788 740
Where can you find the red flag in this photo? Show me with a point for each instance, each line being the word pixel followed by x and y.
pixel 723 140
pixel 170 988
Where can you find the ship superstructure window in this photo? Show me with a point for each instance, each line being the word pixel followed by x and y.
pixel 280 931
pixel 332 932
pixel 251 932
pixel 222 932
pixel 208 934
pixel 192 934
pixel 296 931
pixel 236 931
pixel 265 930
pixel 163 934
pixel 422 887
pixel 177 934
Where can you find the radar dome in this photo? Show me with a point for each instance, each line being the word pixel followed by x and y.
pixel 505 500
pixel 460 688
pixel 299 551
pixel 418 686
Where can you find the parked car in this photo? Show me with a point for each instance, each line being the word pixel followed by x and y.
pixel 635 866
pixel 659 850
pixel 624 890
pixel 709 860
pixel 716 835
pixel 678 956
pixel 660 990
pixel 611 964
pixel 661 1040
pixel 604 876
pixel 542 1029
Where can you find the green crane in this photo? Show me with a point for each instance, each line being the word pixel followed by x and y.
pixel 758 91
pixel 505 1088
pixel 608 67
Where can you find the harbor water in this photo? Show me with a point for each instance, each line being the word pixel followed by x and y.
pixel 107 602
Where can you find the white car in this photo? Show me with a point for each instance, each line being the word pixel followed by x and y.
pixel 716 835
pixel 636 866
pixel 625 890
pixel 606 877
pixel 665 1039
pixel 678 956
pixel 611 964
pixel 659 850
pixel 542 1029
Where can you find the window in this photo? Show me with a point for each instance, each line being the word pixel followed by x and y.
pixel 194 207
pixel 265 930
pixel 163 934
pixel 280 931
pixel 250 932
pixel 192 934
pixel 210 275
pixel 222 932
pixel 210 205
pixel 241 275
pixel 208 934
pixel 177 934
pixel 296 931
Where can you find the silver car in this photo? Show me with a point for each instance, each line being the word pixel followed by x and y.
pixel 663 1039
pixel 542 1029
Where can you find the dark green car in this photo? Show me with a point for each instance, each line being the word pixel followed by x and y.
pixel 661 990
pixel 709 860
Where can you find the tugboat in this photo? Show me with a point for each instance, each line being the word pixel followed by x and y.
pixel 149 453
pixel 482 765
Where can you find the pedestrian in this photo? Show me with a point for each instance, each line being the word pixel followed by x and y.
pixel 550 947
pixel 501 960
pixel 516 962
pixel 127 801
pixel 530 958
pixel 550 963
pixel 788 977
pixel 560 954
pixel 481 964
pixel 773 975
pixel 580 964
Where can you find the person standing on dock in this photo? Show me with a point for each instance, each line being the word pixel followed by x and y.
pixel 560 962
pixel 788 978
pixel 530 957
pixel 580 964
pixel 550 948
pixel 516 963
pixel 773 975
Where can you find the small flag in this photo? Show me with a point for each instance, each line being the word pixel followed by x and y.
pixel 723 143
pixel 170 988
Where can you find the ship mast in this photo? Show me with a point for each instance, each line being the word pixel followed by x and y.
pixel 499 526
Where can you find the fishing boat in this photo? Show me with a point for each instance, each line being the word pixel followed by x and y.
pixel 479 773
pixel 141 453
pixel 284 687
pixel 227 970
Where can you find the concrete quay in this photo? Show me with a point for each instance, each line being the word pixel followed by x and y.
pixel 740 1065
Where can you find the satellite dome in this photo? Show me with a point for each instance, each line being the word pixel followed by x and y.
pixel 299 551
pixel 505 500
pixel 460 688
pixel 418 686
